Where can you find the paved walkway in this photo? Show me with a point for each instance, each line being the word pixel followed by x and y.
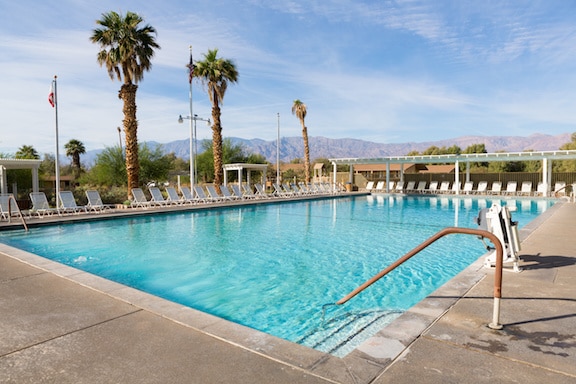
pixel 60 325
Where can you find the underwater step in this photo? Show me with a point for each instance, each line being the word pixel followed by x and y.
pixel 341 333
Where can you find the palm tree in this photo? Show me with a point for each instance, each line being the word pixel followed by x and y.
pixel 27 152
pixel 74 148
pixel 299 109
pixel 215 73
pixel 126 51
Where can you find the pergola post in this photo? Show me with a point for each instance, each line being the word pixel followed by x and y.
pixel 457 177
pixel 351 174
pixel 545 176
pixel 3 182
pixel 387 177
pixel 549 189
pixel 334 174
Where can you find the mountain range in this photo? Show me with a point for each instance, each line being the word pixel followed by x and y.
pixel 292 147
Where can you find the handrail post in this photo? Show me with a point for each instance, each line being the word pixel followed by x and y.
pixel 495 324
pixel 11 197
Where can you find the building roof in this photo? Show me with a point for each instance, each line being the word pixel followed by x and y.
pixel 443 168
pixel 381 167
pixel 464 158
pixel 20 163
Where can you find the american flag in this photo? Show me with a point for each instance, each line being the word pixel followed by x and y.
pixel 191 67
pixel 51 95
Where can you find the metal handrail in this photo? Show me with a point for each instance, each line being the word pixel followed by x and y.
pixel 11 197
pixel 495 324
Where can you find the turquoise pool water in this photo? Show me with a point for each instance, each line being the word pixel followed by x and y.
pixel 272 267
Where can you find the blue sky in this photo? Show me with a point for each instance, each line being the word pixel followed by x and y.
pixel 383 71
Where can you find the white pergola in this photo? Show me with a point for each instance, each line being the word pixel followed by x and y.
pixel 6 164
pixel 240 167
pixel 545 156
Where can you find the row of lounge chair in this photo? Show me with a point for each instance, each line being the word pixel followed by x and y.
pixel 468 188
pixel 210 194
pixel 67 203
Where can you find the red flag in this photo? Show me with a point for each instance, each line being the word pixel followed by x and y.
pixel 191 67
pixel 51 95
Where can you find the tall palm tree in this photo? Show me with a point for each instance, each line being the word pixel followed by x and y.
pixel 299 109
pixel 126 49
pixel 215 73
pixel 74 148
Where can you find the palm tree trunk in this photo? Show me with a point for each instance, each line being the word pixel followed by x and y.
pixel 76 164
pixel 306 153
pixel 128 95
pixel 217 145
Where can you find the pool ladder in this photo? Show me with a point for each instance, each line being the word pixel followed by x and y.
pixel 9 199
pixel 495 324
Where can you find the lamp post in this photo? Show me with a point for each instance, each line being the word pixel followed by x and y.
pixel 278 152
pixel 120 137
pixel 192 144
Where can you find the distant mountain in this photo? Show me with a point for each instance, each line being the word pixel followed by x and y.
pixel 292 147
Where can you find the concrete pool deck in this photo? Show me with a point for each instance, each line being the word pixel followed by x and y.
pixel 58 324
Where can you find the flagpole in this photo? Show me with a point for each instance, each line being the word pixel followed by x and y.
pixel 192 136
pixel 57 145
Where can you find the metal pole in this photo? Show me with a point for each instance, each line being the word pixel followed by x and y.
pixel 57 164
pixel 195 149
pixel 278 152
pixel 192 166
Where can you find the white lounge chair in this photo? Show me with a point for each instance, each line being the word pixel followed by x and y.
pixel 288 189
pixel 40 205
pixel 157 197
pixel 526 188
pixel 433 187
pixel 95 202
pixel 542 189
pixel 238 192
pixel 68 203
pixel 399 187
pixel 511 188
pixel 391 185
pixel 379 187
pixel 187 195
pixel 317 188
pixel 468 187
pixel 140 200
pixel 445 187
pixel 8 207
pixel 421 188
pixel 496 188
pixel 297 190
pixel 410 186
pixel 202 196
pixel 260 191
pixel 306 188
pixel 560 189
pixel 173 197
pixel 226 193
pixel 369 186
pixel 482 188
pixel 278 191
pixel 455 188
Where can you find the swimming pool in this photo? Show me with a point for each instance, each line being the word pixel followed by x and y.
pixel 273 267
